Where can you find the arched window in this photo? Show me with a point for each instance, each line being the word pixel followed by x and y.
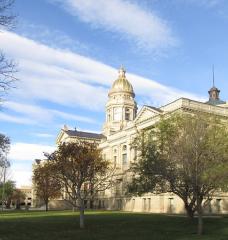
pixel 115 156
pixel 124 154
pixel 108 116
pixel 124 147
pixel 117 114
pixel 127 114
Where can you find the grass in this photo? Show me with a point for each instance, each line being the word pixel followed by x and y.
pixel 105 225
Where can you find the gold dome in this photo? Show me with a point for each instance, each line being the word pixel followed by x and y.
pixel 122 84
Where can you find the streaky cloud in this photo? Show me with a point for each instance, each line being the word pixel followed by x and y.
pixel 69 79
pixel 128 19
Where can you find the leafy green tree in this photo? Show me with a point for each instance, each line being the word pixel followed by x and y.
pixel 82 171
pixel 4 164
pixel 183 154
pixel 4 149
pixel 6 191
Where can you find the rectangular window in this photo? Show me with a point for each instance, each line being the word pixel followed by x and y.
pixel 170 205
pixel 144 204
pixel 218 205
pixel 118 188
pixel 115 160
pixel 124 158
pixel 149 204
pixel 133 205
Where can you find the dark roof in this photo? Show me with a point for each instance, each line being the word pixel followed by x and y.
pixel 214 89
pixel 215 102
pixel 75 133
pixel 154 108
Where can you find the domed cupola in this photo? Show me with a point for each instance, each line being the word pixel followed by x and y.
pixel 122 84
pixel 121 107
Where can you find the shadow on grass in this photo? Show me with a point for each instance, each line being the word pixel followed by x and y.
pixel 106 225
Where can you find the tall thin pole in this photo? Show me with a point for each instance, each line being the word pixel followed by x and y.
pixel 3 185
pixel 213 72
pixel 4 181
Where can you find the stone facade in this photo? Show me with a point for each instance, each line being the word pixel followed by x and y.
pixel 29 196
pixel 122 123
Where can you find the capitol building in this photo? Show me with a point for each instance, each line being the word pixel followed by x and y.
pixel 123 121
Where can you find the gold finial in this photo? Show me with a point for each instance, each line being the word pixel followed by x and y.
pixel 122 72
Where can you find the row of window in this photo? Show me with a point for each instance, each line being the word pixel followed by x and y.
pixel 124 155
pixel 146 205
pixel 124 159
pixel 117 114
pixel 121 97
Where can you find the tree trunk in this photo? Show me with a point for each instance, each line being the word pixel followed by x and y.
pixel 200 224
pixel 82 215
pixel 189 211
pixel 46 205
pixel 91 204
pixel 18 205
pixel 200 217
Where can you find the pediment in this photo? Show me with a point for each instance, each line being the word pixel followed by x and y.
pixel 61 136
pixel 147 112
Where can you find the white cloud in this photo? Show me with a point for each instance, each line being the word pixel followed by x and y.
pixel 15 119
pixel 22 177
pixel 126 18
pixel 70 79
pixel 28 152
pixel 45 135
pixel 21 173
pixel 31 111
pixel 21 156
pixel 73 117
pixel 33 114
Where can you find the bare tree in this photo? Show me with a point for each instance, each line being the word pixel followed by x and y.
pixel 7 19
pixel 7 67
pixel 7 72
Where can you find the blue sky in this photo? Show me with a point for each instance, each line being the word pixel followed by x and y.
pixel 68 53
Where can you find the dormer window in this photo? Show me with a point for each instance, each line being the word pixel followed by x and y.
pixel 124 148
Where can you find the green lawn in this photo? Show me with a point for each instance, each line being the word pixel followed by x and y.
pixel 104 226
